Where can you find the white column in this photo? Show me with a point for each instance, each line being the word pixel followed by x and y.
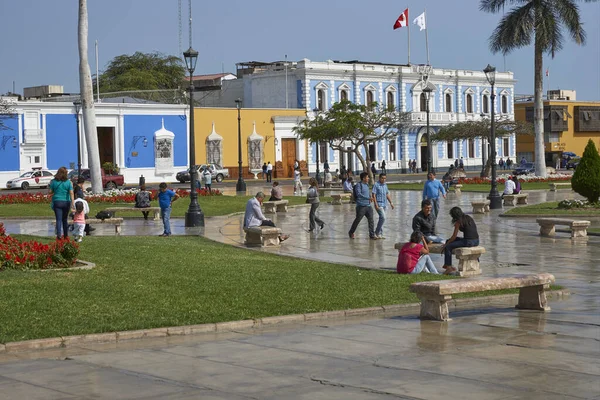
pixel 332 93
pixel 357 92
pixel 402 97
pixel 120 141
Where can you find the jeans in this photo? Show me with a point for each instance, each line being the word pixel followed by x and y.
pixel 426 264
pixel 459 242
pixel 270 176
pixel 312 216
pixel 165 215
pixel 362 211
pixel 381 212
pixel 436 206
pixel 434 239
pixel 61 212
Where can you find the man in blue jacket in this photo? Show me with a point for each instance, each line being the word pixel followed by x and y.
pixel 431 191
pixel 362 195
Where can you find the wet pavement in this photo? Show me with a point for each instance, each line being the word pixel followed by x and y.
pixel 494 352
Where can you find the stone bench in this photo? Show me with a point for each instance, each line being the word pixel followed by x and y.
pixel 578 227
pixel 271 207
pixel 457 188
pixel 554 186
pixel 263 236
pixel 155 210
pixel 333 184
pixel 108 221
pixel 468 257
pixel 480 206
pixel 324 191
pixel 513 199
pixel 434 295
pixel 337 198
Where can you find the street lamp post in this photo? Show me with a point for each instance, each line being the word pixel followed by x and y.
pixel 495 199
pixel 240 186
pixel 77 104
pixel 483 152
pixel 318 172
pixel 193 216
pixel 427 92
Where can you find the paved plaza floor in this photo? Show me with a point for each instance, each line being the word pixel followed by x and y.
pixel 495 352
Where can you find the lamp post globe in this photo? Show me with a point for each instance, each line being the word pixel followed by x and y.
pixel 494 197
pixel 240 186
pixel 318 171
pixel 194 215
pixel 427 92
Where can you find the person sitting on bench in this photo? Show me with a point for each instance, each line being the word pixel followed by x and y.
pixel 254 216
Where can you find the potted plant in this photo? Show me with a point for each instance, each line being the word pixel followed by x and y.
pixel 110 168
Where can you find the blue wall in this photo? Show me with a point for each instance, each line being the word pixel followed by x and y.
pixel 146 125
pixel 299 91
pixel 61 140
pixel 9 157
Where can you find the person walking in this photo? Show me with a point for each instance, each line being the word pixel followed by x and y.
pixel 413 257
pixel 383 170
pixel 326 166
pixel 207 175
pixel 461 163
pixel 501 163
pixel 363 206
pixel 414 166
pixel 431 191
pixel 373 169
pixel 312 198
pixel 269 172
pixel 165 198
pixel 61 190
pixel 264 171
pixel 381 196
pixel 465 224
pixel 297 181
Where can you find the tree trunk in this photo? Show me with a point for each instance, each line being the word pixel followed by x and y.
pixel 538 112
pixel 87 101
pixel 367 163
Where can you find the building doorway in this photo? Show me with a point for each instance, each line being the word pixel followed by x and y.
pixel 424 152
pixel 106 140
pixel 288 156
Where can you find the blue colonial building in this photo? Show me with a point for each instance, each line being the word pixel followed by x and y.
pixel 141 139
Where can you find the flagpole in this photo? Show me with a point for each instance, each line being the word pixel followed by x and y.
pixel 426 35
pixel 408 26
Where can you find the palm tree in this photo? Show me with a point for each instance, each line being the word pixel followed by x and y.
pixel 540 21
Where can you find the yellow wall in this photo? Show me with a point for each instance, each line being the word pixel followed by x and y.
pixel 574 141
pixel 226 125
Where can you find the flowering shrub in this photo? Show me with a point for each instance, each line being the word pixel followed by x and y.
pixel 522 178
pixel 2 230
pixel 15 254
pixel 569 204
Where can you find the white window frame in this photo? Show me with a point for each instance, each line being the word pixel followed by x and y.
pixel 325 88
pixel 471 92
pixel 391 89
pixel 343 88
pixel 449 92
pixel 373 90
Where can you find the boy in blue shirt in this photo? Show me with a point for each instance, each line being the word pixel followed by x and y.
pixel 165 198
pixel 431 191
pixel 381 195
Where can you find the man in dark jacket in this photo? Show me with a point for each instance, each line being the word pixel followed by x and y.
pixel 424 222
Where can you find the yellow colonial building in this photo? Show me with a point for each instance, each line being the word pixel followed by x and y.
pixel 568 125
pixel 267 136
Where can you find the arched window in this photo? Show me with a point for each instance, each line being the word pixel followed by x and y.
pixel 369 99
pixel 469 104
pixel 321 100
pixel 471 148
pixel 448 102
pixel 344 95
pixel 485 104
pixel 390 101
pixel 450 149
pixel 423 102
pixel 504 105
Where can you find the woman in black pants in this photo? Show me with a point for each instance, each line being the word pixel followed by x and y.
pixel 465 224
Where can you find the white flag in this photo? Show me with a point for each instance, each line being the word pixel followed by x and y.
pixel 420 21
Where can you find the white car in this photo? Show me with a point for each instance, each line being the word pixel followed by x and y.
pixel 36 178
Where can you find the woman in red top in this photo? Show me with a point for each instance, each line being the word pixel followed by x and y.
pixel 414 256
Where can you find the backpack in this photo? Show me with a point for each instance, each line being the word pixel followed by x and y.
pixel 355 192
pixel 142 199
pixel 104 215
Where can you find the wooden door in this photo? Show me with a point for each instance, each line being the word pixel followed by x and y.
pixel 288 156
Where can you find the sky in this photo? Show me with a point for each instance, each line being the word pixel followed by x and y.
pixel 39 46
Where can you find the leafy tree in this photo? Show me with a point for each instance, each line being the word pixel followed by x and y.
pixel 142 71
pixel 6 112
pixel 586 179
pixel 540 21
pixel 350 128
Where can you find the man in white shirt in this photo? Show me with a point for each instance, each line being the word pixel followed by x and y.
pixel 297 181
pixel 269 172
pixel 509 186
pixel 254 216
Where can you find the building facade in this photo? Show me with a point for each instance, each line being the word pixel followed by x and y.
pixel 457 95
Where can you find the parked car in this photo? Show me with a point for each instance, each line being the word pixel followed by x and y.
pixel 108 181
pixel 37 178
pixel 527 168
pixel 573 162
pixel 217 172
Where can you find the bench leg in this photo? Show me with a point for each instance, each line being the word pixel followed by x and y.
pixel 336 202
pixel 547 230
pixel 578 232
pixel 487 208
pixel 522 200
pixel 156 215
pixel 435 307
pixel 533 298
pixel 281 208
pixel 270 240
pixel 117 229
pixel 469 265
pixel 269 209
pixel 479 210
pixel 456 191
pixel 509 202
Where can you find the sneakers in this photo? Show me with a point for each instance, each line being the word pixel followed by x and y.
pixel 283 238
pixel 374 237
pixel 322 225
pixel 164 235
pixel 351 235
pixel 380 237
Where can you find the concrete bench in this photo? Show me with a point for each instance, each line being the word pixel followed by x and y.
pixel 324 191
pixel 271 207
pixel 554 186
pixel 578 227
pixel 155 210
pixel 333 184
pixel 513 199
pixel 337 198
pixel 480 206
pixel 434 295
pixel 108 221
pixel 468 257
pixel 263 236
pixel 457 188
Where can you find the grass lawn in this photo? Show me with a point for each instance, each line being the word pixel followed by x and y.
pixel 472 187
pixel 550 208
pixel 154 282
pixel 211 206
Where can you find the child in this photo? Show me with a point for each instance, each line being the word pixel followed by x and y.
pixel 78 220
pixel 414 256
pixel 165 198
pixel 297 181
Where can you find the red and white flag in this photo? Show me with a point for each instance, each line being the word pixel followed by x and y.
pixel 402 20
pixel 547 72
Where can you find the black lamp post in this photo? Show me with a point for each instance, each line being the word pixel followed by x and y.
pixel 495 199
pixel 77 104
pixel 193 216
pixel 427 92
pixel 318 172
pixel 483 151
pixel 240 186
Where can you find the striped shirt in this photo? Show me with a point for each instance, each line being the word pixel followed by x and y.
pixel 380 190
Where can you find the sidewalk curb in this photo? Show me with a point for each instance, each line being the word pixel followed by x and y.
pixel 411 309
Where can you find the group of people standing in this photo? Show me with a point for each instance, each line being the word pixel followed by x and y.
pixel 505 164
pixel 267 171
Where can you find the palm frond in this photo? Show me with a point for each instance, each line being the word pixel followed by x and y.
pixel 548 35
pixel 495 6
pixel 514 31
pixel 570 17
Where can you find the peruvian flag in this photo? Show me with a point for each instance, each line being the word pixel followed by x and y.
pixel 402 20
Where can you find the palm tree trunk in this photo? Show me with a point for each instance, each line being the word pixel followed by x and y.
pixel 87 100
pixel 538 112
